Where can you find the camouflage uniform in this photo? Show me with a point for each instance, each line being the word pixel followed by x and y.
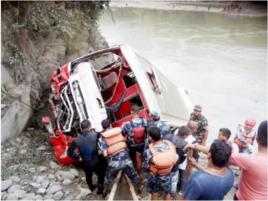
pixel 127 128
pixel 202 123
pixel 118 161
pixel 164 127
pixel 156 183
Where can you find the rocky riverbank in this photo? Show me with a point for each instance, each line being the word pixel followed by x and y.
pixel 30 172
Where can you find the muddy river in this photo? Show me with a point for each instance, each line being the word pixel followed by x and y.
pixel 219 59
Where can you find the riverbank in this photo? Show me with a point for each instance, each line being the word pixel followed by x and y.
pixel 242 8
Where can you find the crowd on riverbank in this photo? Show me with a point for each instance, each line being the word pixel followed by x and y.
pixel 158 151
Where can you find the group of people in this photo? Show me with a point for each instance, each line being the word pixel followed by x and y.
pixel 164 155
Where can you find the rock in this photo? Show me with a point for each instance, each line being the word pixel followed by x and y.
pixel 4 196
pixel 15 179
pixel 42 169
pixel 42 148
pixel 84 192
pixel 59 177
pixel 69 197
pixel 38 197
pixel 14 188
pixel 39 179
pixel 29 196
pixel 19 193
pixel 32 170
pixel 53 189
pixel 51 176
pixel 23 151
pixel 11 197
pixel 66 175
pixel 5 184
pixel 66 181
pixel 35 184
pixel 74 172
pixel 41 191
pixel 53 165
pixel 45 184
pixel 58 195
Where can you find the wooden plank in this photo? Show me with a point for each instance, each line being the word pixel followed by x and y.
pixel 113 190
pixel 131 188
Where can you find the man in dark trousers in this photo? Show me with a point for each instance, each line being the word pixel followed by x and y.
pixel 86 142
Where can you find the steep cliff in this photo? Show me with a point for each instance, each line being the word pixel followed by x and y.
pixel 37 37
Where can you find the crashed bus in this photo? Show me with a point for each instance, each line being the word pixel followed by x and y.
pixel 105 84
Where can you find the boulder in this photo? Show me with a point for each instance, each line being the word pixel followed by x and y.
pixel 5 185
pixel 53 165
pixel 35 184
pixel 53 189
pixel 42 169
pixel 41 191
pixel 58 195
pixel 74 172
pixel 15 179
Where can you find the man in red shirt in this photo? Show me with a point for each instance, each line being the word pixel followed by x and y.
pixel 253 178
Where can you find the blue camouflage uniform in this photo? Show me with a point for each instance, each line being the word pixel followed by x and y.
pixel 156 183
pixel 116 162
pixel 164 129
pixel 127 131
pixel 127 128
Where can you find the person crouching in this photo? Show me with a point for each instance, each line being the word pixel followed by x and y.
pixel 159 160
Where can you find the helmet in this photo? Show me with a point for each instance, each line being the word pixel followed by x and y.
pixel 250 123
pixel 155 116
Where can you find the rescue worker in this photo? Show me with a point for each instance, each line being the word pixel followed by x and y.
pixel 113 146
pixel 86 143
pixel 159 160
pixel 179 144
pixel 155 121
pixel 135 133
pixel 202 130
pixel 245 136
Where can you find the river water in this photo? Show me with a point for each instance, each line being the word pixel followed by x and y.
pixel 220 60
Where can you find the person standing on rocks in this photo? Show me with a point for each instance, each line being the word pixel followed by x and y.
pixel 202 130
pixel 86 142
pixel 113 146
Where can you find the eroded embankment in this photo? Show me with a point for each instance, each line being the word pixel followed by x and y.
pixel 38 37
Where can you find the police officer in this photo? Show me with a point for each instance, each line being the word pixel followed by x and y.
pixel 113 146
pixel 86 142
pixel 155 121
pixel 202 130
pixel 159 159
pixel 135 133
